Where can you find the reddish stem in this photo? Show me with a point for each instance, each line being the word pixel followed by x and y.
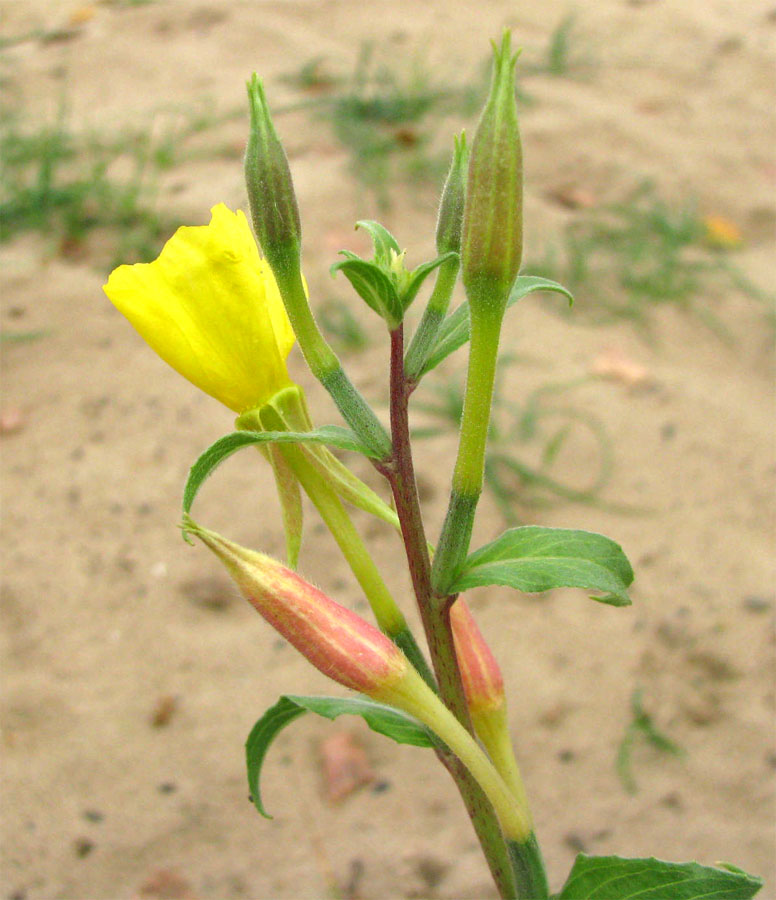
pixel 435 616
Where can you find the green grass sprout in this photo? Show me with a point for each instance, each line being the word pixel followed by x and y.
pixel 641 726
pixel 543 429
pixel 342 327
pixel 627 259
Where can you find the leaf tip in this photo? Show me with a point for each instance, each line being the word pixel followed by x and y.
pixel 612 599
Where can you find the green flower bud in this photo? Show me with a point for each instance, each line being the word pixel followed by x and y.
pixel 450 220
pixel 492 241
pixel 276 223
pixel 270 188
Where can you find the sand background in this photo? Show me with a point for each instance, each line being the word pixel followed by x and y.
pixel 106 612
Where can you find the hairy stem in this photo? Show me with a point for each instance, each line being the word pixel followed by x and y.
pixel 436 621
pixel 470 464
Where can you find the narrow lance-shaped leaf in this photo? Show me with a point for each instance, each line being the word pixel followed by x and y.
pixel 614 878
pixel 419 275
pixel 454 331
pixel 382 239
pixel 373 286
pixel 533 559
pixel 223 448
pixel 383 719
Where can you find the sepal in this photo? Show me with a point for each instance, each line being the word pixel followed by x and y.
pixel 290 497
pixel 291 407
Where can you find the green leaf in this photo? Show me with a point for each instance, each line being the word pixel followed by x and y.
pixel 419 275
pixel 224 447
pixel 373 286
pixel 382 239
pixel 380 718
pixel 614 878
pixel 454 331
pixel 532 558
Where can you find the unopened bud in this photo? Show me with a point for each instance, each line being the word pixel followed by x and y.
pixel 450 219
pixel 492 241
pixel 483 685
pixel 480 673
pixel 351 651
pixel 335 640
pixel 270 188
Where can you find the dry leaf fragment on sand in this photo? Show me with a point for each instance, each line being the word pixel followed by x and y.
pixel 572 196
pixel 346 766
pixel 165 708
pixel 721 232
pixel 11 420
pixel 166 884
pixel 81 15
pixel 614 364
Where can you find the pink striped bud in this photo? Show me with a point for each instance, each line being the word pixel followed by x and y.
pixel 480 673
pixel 335 640
pixel 484 688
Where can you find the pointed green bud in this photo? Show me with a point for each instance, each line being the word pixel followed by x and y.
pixel 450 219
pixel 448 242
pixel 492 240
pixel 276 223
pixel 270 188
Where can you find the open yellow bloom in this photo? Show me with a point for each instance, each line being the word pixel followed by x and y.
pixel 209 306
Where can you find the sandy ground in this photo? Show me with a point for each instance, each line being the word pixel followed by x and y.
pixel 107 614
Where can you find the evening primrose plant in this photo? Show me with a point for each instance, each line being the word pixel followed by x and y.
pixel 224 309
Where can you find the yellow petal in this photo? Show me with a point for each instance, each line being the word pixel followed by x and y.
pixel 210 307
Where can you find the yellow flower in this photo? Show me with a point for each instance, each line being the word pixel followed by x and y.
pixel 209 306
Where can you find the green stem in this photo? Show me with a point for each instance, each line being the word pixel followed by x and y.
pixel 416 698
pixel 325 364
pixel 525 856
pixel 433 316
pixel 436 623
pixel 470 464
pixel 453 541
pixel 492 728
pixel 528 866
pixel 388 615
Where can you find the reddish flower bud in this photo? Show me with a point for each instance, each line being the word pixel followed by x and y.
pixel 335 640
pixel 351 651
pixel 484 688
pixel 480 673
